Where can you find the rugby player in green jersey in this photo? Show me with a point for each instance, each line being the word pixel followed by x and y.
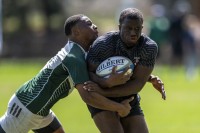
pixel 30 107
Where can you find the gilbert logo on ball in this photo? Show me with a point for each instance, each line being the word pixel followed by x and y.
pixel 105 68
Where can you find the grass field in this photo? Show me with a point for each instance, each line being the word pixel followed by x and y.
pixel 180 113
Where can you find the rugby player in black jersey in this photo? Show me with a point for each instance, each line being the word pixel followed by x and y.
pixel 130 42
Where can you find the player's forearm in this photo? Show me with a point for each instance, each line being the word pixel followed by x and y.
pixel 100 81
pixel 96 100
pixel 99 101
pixel 132 87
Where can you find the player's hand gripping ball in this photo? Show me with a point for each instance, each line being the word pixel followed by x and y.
pixel 121 63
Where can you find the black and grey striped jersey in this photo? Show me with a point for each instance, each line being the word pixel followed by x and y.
pixel 55 81
pixel 110 44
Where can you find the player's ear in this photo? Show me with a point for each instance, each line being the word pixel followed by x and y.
pixel 75 31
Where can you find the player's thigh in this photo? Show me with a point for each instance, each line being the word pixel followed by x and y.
pixel 108 122
pixel 134 124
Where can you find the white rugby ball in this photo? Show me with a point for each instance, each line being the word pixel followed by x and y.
pixel 105 68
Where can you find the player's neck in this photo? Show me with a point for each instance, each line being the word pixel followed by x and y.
pixel 83 44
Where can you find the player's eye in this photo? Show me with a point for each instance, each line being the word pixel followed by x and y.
pixel 128 28
pixel 89 23
pixel 138 28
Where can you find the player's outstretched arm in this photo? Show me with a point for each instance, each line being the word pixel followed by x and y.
pixel 96 100
pixel 158 85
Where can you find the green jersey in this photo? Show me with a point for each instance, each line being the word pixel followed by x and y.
pixel 55 81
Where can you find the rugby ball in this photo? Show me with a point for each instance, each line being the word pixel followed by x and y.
pixel 105 68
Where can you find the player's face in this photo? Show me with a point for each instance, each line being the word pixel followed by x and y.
pixel 88 30
pixel 130 31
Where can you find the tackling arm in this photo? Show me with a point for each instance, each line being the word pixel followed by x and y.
pixel 96 100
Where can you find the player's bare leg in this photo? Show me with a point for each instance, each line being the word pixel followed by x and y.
pixel 108 122
pixel 134 124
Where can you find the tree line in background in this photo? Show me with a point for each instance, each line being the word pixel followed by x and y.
pixel 32 28
pixel 35 28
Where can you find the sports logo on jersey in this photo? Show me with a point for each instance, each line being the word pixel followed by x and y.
pixel 136 60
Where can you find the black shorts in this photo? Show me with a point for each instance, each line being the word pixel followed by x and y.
pixel 135 104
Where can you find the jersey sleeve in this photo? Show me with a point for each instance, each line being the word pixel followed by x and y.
pixel 149 54
pixel 77 69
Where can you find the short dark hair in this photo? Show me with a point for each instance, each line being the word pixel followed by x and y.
pixel 130 13
pixel 70 22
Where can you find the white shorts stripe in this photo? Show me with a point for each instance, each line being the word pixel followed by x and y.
pixel 18 119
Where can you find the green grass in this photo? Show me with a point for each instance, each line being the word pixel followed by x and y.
pixel 178 114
